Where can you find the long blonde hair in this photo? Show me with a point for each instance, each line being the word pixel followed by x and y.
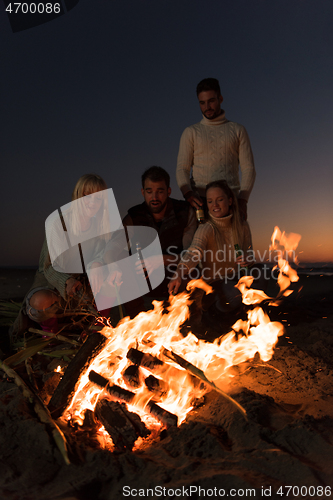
pixel 90 183
pixel 236 223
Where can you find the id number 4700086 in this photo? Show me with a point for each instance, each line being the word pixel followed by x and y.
pixel 33 8
pixel 305 491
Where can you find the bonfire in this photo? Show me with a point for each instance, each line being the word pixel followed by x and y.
pixel 128 383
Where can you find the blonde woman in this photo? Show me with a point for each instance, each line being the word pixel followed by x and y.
pixel 83 220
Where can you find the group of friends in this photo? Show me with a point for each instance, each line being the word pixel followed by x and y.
pixel 211 153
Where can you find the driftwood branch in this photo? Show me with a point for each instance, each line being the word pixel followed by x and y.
pixel 54 335
pixel 63 393
pixel 41 411
pixel 200 374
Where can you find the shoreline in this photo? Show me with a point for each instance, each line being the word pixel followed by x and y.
pixel 16 282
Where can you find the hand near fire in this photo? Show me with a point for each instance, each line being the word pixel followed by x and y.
pixel 176 281
pixel 72 286
pixel 174 284
pixel 114 278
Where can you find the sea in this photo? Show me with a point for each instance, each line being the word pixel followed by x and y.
pixel 315 268
pixel 307 268
pixel 310 268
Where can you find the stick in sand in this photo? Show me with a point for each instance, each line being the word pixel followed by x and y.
pixel 41 411
pixel 200 374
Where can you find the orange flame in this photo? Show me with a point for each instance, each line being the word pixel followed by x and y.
pixel 285 245
pixel 154 330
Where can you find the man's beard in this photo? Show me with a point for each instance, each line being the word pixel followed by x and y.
pixel 215 115
pixel 158 209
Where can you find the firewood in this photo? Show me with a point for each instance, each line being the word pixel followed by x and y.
pixel 97 379
pixel 63 393
pixel 145 360
pixel 132 376
pixel 120 394
pixel 165 417
pixel 201 375
pixel 123 426
pixel 158 366
pixel 56 336
pixel 116 392
pixel 157 386
pixel 89 421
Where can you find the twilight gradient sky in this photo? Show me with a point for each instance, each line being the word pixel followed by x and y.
pixel 110 86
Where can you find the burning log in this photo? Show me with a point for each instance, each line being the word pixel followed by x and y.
pixel 62 395
pixel 116 392
pixel 145 360
pixel 89 420
pixel 154 364
pixel 123 426
pixel 157 386
pixel 165 417
pixel 132 376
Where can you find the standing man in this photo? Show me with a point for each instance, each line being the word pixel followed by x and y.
pixel 214 149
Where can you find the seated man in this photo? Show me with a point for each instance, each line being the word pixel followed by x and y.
pixel 174 221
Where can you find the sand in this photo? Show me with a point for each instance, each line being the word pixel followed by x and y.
pixel 287 440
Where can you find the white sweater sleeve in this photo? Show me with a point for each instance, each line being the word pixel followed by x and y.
pixel 246 163
pixel 185 160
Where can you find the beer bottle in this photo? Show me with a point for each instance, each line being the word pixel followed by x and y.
pixel 200 215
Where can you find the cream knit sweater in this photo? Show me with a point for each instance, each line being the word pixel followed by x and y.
pixel 216 261
pixel 214 149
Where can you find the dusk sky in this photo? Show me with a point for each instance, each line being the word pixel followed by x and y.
pixel 109 87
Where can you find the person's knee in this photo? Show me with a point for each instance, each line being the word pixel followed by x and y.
pixel 43 299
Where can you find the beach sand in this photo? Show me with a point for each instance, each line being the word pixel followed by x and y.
pixel 287 440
